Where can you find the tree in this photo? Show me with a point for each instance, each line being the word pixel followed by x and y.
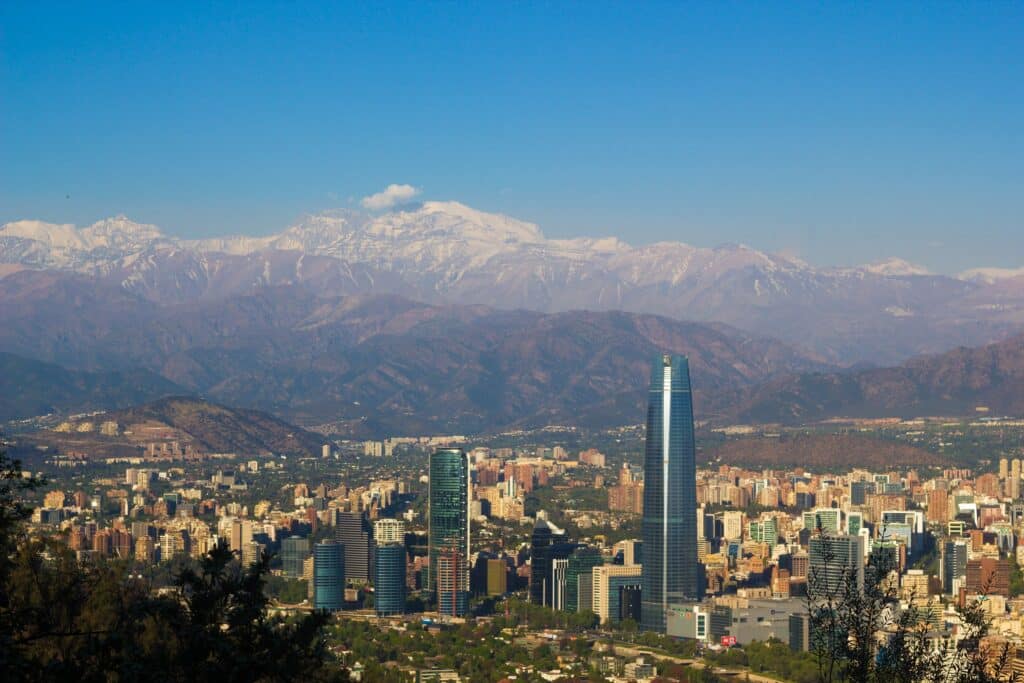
pixel 14 485
pixel 861 633
pixel 65 620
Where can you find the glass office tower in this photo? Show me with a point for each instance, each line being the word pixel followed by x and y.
pixel 669 528
pixel 448 540
pixel 389 579
pixel 294 551
pixel 329 576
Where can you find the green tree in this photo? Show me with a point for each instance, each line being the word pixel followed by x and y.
pixel 65 620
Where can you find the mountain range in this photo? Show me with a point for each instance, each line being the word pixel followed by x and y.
pixel 444 253
pixel 366 363
pixel 375 365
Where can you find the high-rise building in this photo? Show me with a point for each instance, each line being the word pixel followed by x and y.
pixel 353 530
pixel 497 576
pixel 578 574
pixel 859 491
pixel 938 506
pixel 389 579
pixel 854 523
pixel 835 561
pixel 822 519
pixel 252 553
pixel 607 583
pixel 732 525
pixel 328 576
pixel 988 576
pixel 294 551
pixel 670 571
pixel 953 569
pixel 241 535
pixel 547 547
pixel 448 534
pixel 559 567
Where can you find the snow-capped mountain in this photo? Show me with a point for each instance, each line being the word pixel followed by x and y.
pixel 991 275
pixel 446 252
pixel 63 246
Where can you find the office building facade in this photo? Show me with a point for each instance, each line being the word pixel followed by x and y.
pixel 353 530
pixel 328 576
pixel 835 563
pixel 294 551
pixel 669 525
pixel 448 534
pixel 389 579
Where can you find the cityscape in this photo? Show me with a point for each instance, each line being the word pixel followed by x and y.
pixel 414 342
pixel 621 564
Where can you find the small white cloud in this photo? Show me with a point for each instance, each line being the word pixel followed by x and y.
pixel 392 195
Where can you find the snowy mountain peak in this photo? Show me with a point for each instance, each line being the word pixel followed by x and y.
pixel 990 276
pixel 120 232
pixel 108 232
pixel 460 220
pixel 61 235
pixel 895 267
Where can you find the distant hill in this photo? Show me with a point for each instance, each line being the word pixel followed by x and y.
pixel 953 383
pixel 30 387
pixel 217 429
pixel 818 452
pixel 206 427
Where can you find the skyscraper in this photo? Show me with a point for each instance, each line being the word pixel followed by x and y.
pixel 448 541
pixel 578 574
pixel 835 561
pixel 353 531
pixel 670 573
pixel 389 579
pixel 953 569
pixel 294 551
pixel 328 576
pixel 547 545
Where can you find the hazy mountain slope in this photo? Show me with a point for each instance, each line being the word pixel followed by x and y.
pixel 201 426
pixel 445 252
pixel 953 383
pixel 218 429
pixel 386 362
pixel 31 387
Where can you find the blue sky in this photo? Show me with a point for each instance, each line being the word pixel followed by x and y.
pixel 839 132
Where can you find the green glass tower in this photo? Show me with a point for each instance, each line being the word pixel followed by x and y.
pixel 581 563
pixel 448 542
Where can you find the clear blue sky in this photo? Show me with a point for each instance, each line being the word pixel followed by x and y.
pixel 842 132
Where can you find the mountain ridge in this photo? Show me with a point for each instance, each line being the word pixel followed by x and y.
pixel 357 360
pixel 960 382
pixel 446 252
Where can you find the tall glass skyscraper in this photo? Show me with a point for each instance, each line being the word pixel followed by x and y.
pixel 389 579
pixel 329 576
pixel 670 573
pixel 448 542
